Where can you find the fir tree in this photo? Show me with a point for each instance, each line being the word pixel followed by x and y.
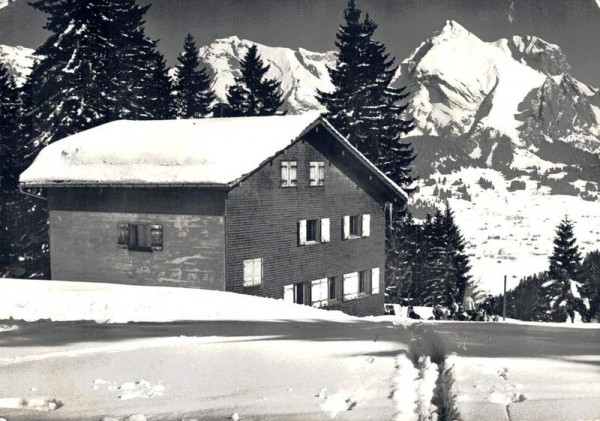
pixel 193 95
pixel 253 94
pixel 363 106
pixel 9 168
pixel 440 268
pixel 97 66
pixel 590 278
pixel 561 291
pixel 401 250
pixel 565 259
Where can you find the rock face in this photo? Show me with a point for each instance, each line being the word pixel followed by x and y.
pixel 301 72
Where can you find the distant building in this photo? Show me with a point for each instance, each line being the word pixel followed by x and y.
pixel 281 206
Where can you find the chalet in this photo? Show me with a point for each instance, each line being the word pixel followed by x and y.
pixel 279 206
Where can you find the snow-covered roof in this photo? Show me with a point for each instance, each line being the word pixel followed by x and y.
pixel 215 152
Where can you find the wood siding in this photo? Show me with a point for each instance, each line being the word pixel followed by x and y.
pixel 262 222
pixel 84 228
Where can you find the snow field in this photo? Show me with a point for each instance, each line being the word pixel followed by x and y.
pixel 515 388
pixel 511 233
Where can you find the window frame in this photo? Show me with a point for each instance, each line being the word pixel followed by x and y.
pixel 291 178
pixel 128 236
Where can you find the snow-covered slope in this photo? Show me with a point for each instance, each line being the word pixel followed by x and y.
pixel 301 72
pixel 18 60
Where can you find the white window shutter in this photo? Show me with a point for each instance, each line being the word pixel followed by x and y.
pixel 375 281
pixel 312 173
pixel 248 272
pixel 257 271
pixel 325 237
pixel 319 292
pixel 321 174
pixel 285 173
pixel 350 286
pixel 293 173
pixel 346 227
pixel 302 232
pixel 288 293
pixel 366 225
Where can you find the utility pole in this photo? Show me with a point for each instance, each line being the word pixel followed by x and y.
pixel 504 301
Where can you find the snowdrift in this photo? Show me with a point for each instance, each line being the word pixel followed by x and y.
pixel 31 300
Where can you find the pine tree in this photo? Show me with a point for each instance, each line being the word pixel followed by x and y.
pixel 97 66
pixel 363 106
pixel 440 269
pixel 565 259
pixel 561 291
pixel 193 95
pixel 459 260
pixel 253 94
pixel 590 278
pixel 9 168
pixel 401 250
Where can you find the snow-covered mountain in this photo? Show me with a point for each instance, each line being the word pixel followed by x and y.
pixel 516 90
pixel 18 60
pixel 301 72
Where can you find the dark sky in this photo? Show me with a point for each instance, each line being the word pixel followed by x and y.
pixel 403 24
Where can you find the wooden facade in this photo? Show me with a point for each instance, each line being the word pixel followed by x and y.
pixel 262 236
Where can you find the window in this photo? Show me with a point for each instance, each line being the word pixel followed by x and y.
pixel 252 272
pixel 355 226
pixel 297 293
pixel 312 231
pixel 317 174
pixel 332 285
pixel 289 174
pixel 362 282
pixel 140 237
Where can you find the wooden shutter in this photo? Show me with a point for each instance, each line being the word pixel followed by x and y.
pixel 257 272
pixel 248 272
pixel 285 174
pixel 325 237
pixel 288 293
pixel 293 173
pixel 321 174
pixel 350 286
pixel 131 236
pixel 366 225
pixel 302 232
pixel 319 292
pixel 312 174
pixel 123 236
pixel 375 281
pixel 156 234
pixel 346 228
